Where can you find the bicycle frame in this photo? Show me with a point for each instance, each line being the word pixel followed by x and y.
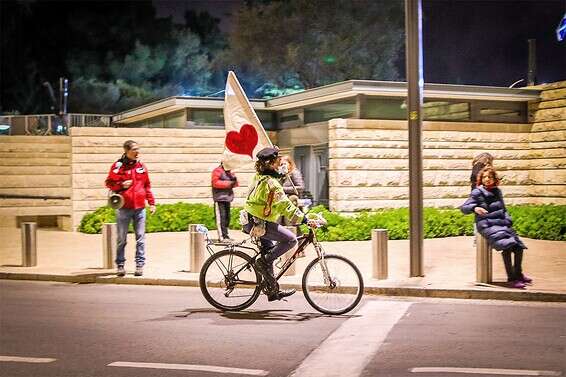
pixel 303 241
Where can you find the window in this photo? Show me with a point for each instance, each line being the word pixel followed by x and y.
pixel 446 110
pixel 384 108
pixel 206 118
pixel 324 112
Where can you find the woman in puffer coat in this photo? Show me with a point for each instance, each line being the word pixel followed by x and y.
pixel 494 223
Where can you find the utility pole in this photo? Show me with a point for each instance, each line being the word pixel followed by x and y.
pixel 414 58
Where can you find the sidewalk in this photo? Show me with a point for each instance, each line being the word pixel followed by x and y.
pixel 449 265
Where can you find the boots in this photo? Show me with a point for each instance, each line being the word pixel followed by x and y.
pixel 266 270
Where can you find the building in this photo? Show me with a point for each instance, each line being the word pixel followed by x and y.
pixel 349 139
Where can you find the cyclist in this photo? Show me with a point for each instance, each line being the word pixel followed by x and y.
pixel 266 202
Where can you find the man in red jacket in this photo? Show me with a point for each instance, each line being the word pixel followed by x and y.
pixel 129 177
pixel 223 181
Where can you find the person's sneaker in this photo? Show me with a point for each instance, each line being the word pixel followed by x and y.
pixel 516 284
pixel 120 271
pixel 281 294
pixel 139 271
pixel 525 279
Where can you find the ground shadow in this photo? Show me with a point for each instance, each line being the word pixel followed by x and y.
pixel 285 315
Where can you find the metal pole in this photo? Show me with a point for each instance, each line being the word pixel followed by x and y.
pixel 29 244
pixel 196 248
pixel 484 264
pixel 292 269
pixel 413 29
pixel 109 245
pixel 379 239
pixel 532 73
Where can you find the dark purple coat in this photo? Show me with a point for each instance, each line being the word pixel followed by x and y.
pixel 496 225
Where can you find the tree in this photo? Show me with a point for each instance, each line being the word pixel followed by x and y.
pixel 317 42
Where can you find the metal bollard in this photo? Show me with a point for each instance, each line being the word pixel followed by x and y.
pixel 379 238
pixel 29 244
pixel 109 244
pixel 196 248
pixel 484 264
pixel 292 269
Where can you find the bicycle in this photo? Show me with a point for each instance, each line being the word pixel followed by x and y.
pixel 229 281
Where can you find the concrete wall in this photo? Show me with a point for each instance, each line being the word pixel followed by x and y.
pixel 369 158
pixel 179 161
pixel 34 166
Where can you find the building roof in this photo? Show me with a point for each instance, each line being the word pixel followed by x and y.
pixel 333 92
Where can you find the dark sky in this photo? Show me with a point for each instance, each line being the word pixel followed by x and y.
pixel 464 42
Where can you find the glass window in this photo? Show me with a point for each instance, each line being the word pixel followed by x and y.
pixel 504 112
pixel 384 108
pixel 206 118
pixel 324 112
pixel 446 110
pixel 267 119
pixel 176 120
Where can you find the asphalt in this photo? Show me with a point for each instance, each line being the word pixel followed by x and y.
pixel 449 265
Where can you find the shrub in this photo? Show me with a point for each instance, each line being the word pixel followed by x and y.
pixel 545 222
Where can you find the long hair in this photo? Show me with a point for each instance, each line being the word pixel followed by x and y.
pixel 261 166
pixel 492 173
pixel 292 165
pixel 483 158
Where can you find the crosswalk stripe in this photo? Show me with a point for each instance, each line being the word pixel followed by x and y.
pixel 348 350
pixel 18 359
pixel 193 367
pixel 506 372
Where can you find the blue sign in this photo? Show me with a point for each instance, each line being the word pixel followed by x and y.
pixel 561 29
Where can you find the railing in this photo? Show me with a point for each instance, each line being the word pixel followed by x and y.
pixel 50 124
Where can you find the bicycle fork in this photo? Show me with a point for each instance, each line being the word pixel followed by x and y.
pixel 322 262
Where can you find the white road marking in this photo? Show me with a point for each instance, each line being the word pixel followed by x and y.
pixel 349 349
pixel 506 372
pixel 193 367
pixel 17 359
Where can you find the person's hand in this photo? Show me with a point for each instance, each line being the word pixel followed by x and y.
pixel 480 211
pixel 152 209
pixel 127 183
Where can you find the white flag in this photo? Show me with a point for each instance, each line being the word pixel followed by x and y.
pixel 245 135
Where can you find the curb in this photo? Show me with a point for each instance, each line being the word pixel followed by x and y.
pixel 475 294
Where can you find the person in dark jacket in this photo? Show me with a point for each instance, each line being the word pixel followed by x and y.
pixel 494 223
pixel 223 182
pixel 129 177
pixel 479 162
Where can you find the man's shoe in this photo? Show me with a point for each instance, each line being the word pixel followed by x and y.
pixel 281 294
pixel 120 271
pixel 139 271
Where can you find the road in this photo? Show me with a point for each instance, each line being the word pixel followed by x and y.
pixel 59 329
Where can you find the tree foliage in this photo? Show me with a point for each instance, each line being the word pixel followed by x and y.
pixel 317 42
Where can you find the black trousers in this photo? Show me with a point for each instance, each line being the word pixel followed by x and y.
pixel 222 215
pixel 514 270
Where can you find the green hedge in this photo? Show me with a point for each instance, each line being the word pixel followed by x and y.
pixel 167 218
pixel 545 222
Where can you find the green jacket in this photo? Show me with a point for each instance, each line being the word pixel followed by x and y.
pixel 267 200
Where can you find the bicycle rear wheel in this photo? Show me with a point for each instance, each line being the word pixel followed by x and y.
pixel 335 292
pixel 229 281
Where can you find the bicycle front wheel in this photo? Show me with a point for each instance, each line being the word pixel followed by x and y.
pixel 333 284
pixel 228 280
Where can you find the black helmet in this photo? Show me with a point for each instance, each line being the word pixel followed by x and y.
pixel 267 154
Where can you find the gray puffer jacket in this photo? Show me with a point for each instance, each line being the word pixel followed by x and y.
pixel 496 225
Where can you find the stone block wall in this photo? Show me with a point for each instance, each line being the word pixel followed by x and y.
pixel 179 161
pixel 35 177
pixel 547 143
pixel 369 158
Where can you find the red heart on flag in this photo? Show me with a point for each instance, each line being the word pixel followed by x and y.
pixel 243 142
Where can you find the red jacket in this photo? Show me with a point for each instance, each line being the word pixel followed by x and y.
pixel 140 190
pixel 222 183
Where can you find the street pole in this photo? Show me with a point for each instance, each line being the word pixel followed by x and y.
pixel 413 30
